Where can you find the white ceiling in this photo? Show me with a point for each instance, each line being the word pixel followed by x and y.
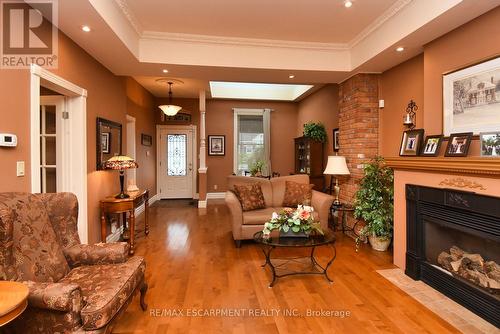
pixel 291 20
pixel 319 41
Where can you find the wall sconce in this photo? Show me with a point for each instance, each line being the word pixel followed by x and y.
pixel 411 114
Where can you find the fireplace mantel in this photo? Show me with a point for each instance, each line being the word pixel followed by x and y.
pixel 486 167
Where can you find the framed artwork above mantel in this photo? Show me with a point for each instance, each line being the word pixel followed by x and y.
pixel 471 98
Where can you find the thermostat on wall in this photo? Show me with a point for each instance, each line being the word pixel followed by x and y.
pixel 8 140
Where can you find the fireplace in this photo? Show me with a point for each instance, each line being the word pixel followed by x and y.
pixel 453 244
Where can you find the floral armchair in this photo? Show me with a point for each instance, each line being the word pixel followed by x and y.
pixel 73 287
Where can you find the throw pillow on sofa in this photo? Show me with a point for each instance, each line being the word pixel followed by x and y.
pixel 297 193
pixel 250 196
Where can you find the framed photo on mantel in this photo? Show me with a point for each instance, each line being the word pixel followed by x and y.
pixel 411 142
pixel 471 98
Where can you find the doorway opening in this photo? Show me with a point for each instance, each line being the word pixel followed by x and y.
pixel 58 145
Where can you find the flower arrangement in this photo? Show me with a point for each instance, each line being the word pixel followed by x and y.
pixel 297 220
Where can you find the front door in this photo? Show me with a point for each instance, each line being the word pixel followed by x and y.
pixel 176 163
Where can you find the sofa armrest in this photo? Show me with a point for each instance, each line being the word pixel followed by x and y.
pixel 116 252
pixel 321 203
pixel 66 297
pixel 236 212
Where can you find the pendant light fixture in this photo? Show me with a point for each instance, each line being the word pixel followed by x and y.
pixel 170 109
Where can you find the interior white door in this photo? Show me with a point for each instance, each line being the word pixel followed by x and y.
pixel 176 163
pixel 53 145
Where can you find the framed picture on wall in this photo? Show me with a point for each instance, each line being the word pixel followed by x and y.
pixel 431 146
pixel 217 145
pixel 411 142
pixel 105 142
pixel 471 98
pixel 336 143
pixel 146 140
pixel 490 144
pixel 458 144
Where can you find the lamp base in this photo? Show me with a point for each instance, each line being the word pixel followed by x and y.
pixel 122 196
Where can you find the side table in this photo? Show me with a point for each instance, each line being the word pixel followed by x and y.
pixel 125 205
pixel 13 300
pixel 343 210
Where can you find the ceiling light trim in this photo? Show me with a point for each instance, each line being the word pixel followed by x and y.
pixel 242 41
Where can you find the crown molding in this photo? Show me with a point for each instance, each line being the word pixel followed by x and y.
pixel 243 41
pixel 379 21
pixel 257 42
pixel 129 15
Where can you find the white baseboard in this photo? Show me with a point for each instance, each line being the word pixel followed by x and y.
pixel 202 204
pixel 113 237
pixel 217 195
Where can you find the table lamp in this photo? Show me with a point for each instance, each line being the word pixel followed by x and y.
pixel 336 165
pixel 120 162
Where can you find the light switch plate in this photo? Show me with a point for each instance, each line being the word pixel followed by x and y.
pixel 20 168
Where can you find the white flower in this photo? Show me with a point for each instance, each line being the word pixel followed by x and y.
pixel 275 216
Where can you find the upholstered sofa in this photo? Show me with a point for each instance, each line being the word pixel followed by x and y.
pixel 246 223
pixel 72 287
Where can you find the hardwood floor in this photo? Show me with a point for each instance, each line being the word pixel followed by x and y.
pixel 193 265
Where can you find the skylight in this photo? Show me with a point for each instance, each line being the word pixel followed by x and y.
pixel 257 91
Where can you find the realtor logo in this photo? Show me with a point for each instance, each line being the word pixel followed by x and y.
pixel 29 33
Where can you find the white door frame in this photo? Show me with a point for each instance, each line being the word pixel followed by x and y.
pixel 159 129
pixel 74 159
pixel 131 150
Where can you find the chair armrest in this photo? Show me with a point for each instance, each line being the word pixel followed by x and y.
pixel 236 212
pixel 115 252
pixel 321 203
pixel 62 296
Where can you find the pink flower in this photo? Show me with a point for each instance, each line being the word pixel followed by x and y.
pixel 304 215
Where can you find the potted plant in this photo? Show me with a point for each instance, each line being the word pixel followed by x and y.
pixel 315 131
pixel 374 203
pixel 292 222
pixel 256 168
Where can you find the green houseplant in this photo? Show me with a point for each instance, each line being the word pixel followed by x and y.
pixel 256 168
pixel 315 131
pixel 374 203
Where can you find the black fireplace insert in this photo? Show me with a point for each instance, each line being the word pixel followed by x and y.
pixel 453 244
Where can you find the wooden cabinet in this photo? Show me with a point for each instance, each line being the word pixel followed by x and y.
pixel 309 155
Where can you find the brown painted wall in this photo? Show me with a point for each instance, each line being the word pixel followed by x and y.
pixel 219 121
pixel 397 87
pixel 141 105
pixel 420 78
pixel 106 98
pixel 14 112
pixel 321 106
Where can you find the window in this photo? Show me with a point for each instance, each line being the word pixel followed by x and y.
pixel 251 140
pixel 176 153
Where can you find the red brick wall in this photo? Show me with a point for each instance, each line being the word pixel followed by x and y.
pixel 358 127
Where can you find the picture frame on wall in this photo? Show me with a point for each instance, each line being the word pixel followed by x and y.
pixel 490 144
pixel 471 98
pixel 146 140
pixel 105 142
pixel 411 142
pixel 336 142
pixel 458 144
pixel 217 145
pixel 431 146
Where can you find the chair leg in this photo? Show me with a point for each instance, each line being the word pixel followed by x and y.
pixel 143 289
pixel 237 243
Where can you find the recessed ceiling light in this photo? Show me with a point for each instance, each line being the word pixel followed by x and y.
pixel 347 3
pixel 86 28
pixel 165 70
pixel 291 76
pixel 400 49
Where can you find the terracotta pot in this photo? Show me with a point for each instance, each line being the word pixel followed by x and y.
pixel 379 243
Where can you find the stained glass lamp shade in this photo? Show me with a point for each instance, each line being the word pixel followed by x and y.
pixel 120 163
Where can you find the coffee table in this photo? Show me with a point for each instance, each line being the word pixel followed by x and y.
pixel 310 265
